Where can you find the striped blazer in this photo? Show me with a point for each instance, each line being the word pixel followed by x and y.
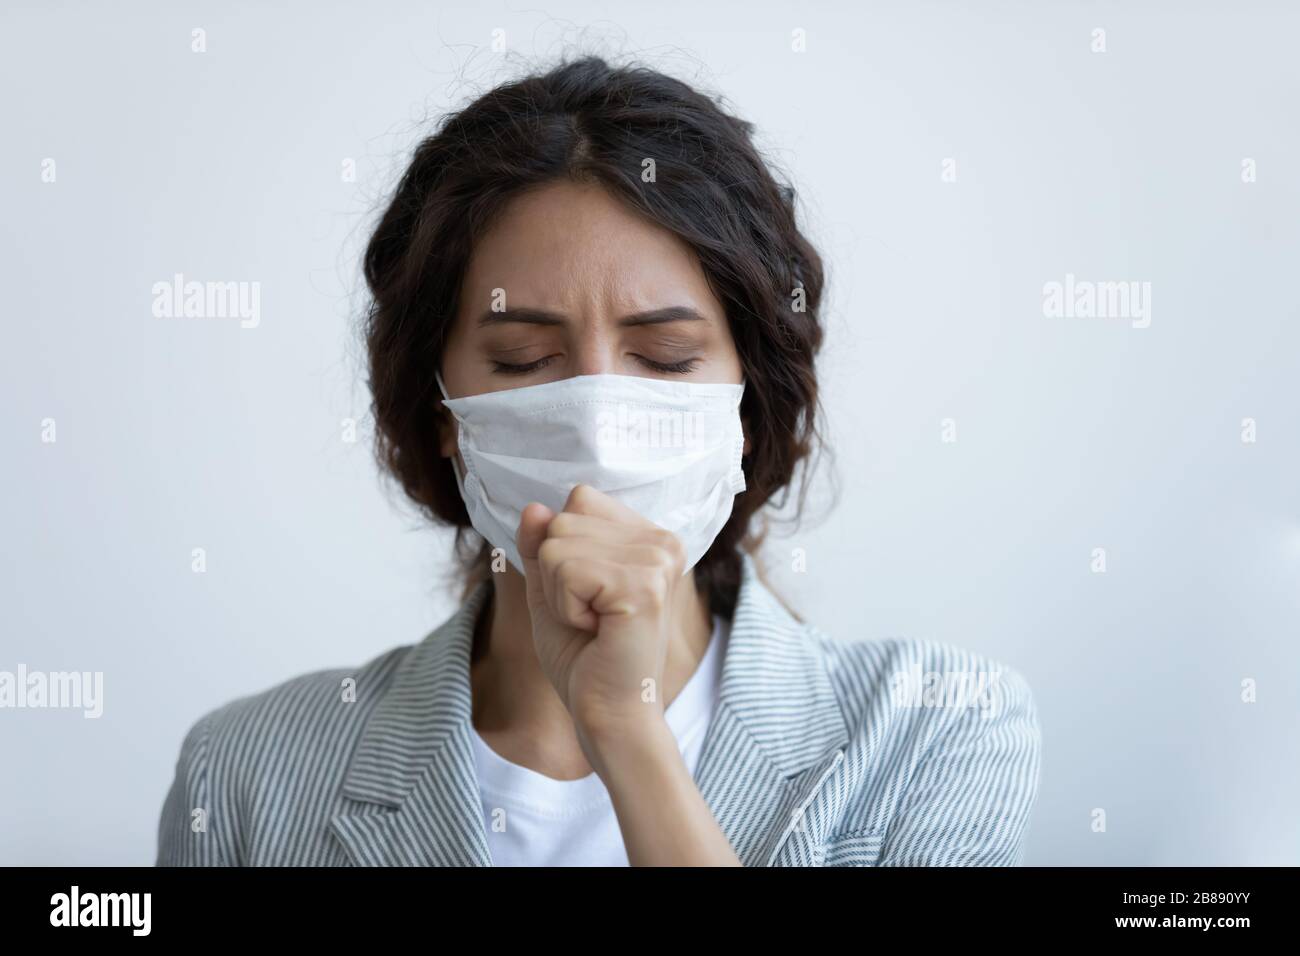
pixel 820 752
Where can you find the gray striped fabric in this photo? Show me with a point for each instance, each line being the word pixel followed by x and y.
pixel 821 752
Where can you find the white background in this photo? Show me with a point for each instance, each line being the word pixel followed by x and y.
pixel 1072 434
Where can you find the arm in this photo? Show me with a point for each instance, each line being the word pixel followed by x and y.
pixel 969 799
pixel 603 587
pixel 664 818
pixel 184 837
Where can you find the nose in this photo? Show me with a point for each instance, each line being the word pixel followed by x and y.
pixel 596 353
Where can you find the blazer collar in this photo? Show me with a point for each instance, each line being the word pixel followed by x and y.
pixel 776 736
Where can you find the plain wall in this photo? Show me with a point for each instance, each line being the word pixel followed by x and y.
pixel 1072 434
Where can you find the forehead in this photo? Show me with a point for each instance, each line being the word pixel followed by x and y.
pixel 575 248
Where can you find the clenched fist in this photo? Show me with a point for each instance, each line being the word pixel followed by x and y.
pixel 602 587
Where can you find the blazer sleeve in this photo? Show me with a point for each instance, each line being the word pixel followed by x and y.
pixel 970 797
pixel 185 835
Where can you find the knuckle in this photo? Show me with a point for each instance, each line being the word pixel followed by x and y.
pixel 580 497
pixel 566 570
pixel 562 524
pixel 671 547
pixel 652 595
pixel 550 551
pixel 648 588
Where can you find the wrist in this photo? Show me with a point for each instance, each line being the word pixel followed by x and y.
pixel 614 743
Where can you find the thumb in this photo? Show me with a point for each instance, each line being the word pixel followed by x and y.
pixel 533 522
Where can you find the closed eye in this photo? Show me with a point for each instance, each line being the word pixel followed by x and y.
pixel 506 368
pixel 684 367
pixel 669 368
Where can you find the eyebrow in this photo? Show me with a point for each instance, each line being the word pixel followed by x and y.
pixel 675 313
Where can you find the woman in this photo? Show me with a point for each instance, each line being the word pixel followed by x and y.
pixel 592 342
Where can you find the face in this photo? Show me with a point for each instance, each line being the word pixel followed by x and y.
pixel 589 288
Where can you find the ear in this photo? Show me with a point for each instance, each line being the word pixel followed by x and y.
pixel 447 444
pixel 744 429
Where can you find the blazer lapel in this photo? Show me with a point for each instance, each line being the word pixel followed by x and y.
pixel 778 731
pixel 776 736
pixel 413 775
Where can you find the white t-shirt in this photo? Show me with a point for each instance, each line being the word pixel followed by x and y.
pixel 535 820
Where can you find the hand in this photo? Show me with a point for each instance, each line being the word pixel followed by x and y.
pixel 602 587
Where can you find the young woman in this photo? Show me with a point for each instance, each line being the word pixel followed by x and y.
pixel 592 343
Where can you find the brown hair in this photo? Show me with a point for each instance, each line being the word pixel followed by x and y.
pixel 591 121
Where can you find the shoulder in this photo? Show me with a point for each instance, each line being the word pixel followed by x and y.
pixel 944 751
pixel 236 760
pixel 299 715
pixel 920 682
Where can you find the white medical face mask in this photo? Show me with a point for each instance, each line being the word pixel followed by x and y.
pixel 668 450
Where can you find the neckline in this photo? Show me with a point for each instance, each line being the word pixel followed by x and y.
pixel 503 780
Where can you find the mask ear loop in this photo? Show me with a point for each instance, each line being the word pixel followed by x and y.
pixel 456 465
pixel 738 473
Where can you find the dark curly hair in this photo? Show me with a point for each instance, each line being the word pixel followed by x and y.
pixel 589 121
